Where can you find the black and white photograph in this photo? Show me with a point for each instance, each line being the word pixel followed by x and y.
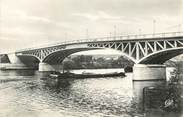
pixel 91 58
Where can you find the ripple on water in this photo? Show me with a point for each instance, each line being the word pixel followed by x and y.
pixel 68 97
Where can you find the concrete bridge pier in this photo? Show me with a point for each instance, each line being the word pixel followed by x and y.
pixel 49 67
pixel 149 72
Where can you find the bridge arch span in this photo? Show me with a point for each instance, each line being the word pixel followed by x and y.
pixel 31 61
pixel 162 56
pixel 58 56
pixel 30 57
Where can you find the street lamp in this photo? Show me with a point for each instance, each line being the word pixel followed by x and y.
pixel 110 34
pixel 115 30
pixel 179 28
pixel 87 36
pixel 154 26
pixel 140 31
pixel 66 36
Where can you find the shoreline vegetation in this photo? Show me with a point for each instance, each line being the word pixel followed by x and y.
pixel 96 62
pixel 108 61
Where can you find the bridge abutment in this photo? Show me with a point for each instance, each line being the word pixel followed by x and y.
pixel 14 63
pixel 49 67
pixel 149 72
pixel 14 59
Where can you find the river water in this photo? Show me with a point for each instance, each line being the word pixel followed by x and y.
pixel 28 93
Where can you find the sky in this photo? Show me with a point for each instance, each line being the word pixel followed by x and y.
pixel 29 23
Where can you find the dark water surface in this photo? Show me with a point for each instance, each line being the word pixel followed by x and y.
pixel 29 94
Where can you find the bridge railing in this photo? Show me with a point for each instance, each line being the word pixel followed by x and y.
pixel 111 38
pixel 142 36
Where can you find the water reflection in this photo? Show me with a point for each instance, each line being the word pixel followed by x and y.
pixel 36 95
pixel 17 72
pixel 138 87
pixel 93 95
pixel 57 85
pixel 164 100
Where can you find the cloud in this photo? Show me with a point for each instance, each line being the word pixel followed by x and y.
pixel 20 15
pixel 100 15
pixel 20 25
pixel 41 21
pixel 23 15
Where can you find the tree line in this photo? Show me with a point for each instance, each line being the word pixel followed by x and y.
pixel 91 62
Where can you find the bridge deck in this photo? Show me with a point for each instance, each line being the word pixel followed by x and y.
pixel 112 38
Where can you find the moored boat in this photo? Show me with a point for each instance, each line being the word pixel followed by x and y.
pixel 85 75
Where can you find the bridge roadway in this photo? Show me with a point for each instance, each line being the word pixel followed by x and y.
pixel 147 51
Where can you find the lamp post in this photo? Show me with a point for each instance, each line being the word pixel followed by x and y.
pixel 66 36
pixel 87 36
pixel 140 31
pixel 154 26
pixel 115 30
pixel 179 28
pixel 110 35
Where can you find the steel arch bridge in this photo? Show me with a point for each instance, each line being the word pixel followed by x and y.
pixel 141 49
